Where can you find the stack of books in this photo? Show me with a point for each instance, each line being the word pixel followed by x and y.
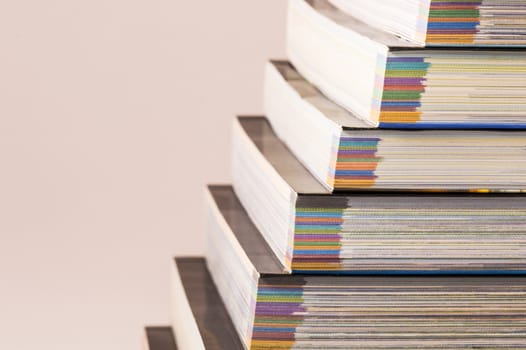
pixel 380 203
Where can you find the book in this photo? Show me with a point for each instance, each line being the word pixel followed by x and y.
pixel 199 318
pixel 344 153
pixel 159 338
pixel 383 80
pixel 272 309
pixel 445 22
pixel 309 229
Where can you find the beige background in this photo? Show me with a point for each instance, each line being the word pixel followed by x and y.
pixel 113 114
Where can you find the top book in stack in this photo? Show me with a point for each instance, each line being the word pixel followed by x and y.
pixel 445 22
pixel 388 81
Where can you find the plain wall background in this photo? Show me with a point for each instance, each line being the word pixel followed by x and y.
pixel 113 116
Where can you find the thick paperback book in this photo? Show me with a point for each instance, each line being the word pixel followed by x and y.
pixel 445 22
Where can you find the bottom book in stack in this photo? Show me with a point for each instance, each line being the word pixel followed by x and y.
pixel 159 338
pixel 271 309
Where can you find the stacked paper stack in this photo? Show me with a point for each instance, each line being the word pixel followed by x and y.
pixel 381 205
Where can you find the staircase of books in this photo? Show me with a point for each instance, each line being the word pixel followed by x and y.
pixel 380 203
